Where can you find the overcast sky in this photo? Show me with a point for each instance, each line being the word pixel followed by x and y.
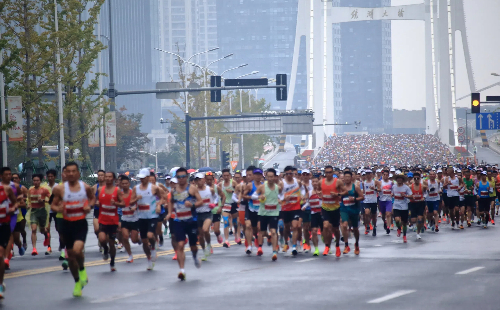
pixel 408 55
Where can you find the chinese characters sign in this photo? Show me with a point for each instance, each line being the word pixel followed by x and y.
pixel 111 128
pixel 94 131
pixel 15 114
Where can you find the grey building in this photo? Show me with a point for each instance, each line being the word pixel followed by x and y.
pixel 261 33
pixel 363 71
pixel 132 22
pixel 409 121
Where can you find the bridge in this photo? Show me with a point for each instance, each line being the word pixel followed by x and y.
pixel 442 18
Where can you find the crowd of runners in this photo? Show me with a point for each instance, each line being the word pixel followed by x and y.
pixel 291 211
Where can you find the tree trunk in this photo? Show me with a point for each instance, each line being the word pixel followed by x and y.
pixel 84 140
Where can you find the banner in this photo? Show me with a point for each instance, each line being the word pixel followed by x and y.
pixel 236 152
pixel 15 114
pixel 234 164
pixel 94 131
pixel 111 128
pixel 212 148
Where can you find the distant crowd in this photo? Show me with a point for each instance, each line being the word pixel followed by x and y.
pixel 358 150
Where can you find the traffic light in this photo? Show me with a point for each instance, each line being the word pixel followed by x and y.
pixel 215 95
pixel 281 92
pixel 225 159
pixel 475 103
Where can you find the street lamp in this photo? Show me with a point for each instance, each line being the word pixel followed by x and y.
pixel 495 74
pixel 253 72
pixel 240 66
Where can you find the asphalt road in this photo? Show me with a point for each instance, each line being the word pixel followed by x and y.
pixel 452 269
pixel 284 158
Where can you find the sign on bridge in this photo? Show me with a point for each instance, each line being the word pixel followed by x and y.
pixel 488 121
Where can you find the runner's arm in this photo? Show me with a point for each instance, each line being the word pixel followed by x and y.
pixel 56 205
pixel 90 198
pixel 12 197
pixel 194 192
pixel 361 195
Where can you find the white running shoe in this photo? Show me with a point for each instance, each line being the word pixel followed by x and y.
pixel 151 264
pixel 197 262
pixel 154 255
pixel 418 237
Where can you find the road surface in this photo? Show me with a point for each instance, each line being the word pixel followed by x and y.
pixel 452 269
pixel 284 158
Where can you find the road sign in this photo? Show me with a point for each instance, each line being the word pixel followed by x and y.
pixel 461 139
pixel 234 164
pixel 488 121
pixel 461 130
pixel 194 85
pixel 281 93
pixel 168 85
pixel 245 82
pixel 492 98
pixel 215 95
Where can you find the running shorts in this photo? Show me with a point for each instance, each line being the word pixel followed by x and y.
pixel 403 214
pixel 52 216
pixel 484 204
pixel 96 212
pixel 130 225
pixel 4 235
pixel 333 217
pixel 470 201
pixel 265 221
pixel 216 218
pixel 453 202
pixel 305 215
pixel 109 230
pixel 350 215
pixel 253 217
pixel 72 231
pixel 289 216
pixel 385 206
pixel 202 217
pixel 433 206
pixel 234 208
pixel 316 221
pixel 417 208
pixel 146 226
pixel 39 216
pixel 371 206
pixel 189 228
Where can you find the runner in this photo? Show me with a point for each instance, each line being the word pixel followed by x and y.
pixel 73 198
pixel 148 209
pixel 163 212
pixel 493 195
pixel 316 219
pixel 453 185
pixel 37 196
pixel 402 193
pixel 483 199
pixel 218 200
pixel 129 218
pixel 330 195
pixel 305 214
pixel 185 200
pixel 370 187
pixel 109 200
pixel 204 213
pixel 8 205
pixel 432 200
pixel 291 208
pixel 251 211
pixel 349 211
pixel 51 183
pixel 417 203
pixel 227 186
pixel 20 230
pixel 100 183
pixel 269 210
pixel 385 201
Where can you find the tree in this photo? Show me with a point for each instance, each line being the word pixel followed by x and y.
pixel 130 139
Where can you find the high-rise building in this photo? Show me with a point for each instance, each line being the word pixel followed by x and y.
pixel 261 33
pixel 132 22
pixel 363 71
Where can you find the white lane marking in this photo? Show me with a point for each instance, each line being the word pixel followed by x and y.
pixel 391 296
pixel 126 295
pixel 305 260
pixel 469 270
pixel 377 245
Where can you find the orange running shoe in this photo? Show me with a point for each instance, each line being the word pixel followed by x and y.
pixel 356 249
pixel 175 256
pixel 319 231
pixel 285 248
pixel 34 252
pixel 347 249
pixel 326 251
pixel 404 239
pixel 260 252
pixel 337 251
pixel 493 221
pixel 256 242
pixel 371 227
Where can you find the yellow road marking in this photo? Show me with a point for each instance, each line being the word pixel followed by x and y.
pixel 31 272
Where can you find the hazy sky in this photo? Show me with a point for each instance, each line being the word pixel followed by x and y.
pixel 408 55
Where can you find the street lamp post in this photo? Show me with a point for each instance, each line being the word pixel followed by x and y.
pixel 59 93
pixel 187 117
pixel 111 88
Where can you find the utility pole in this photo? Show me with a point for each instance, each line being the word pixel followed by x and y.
pixel 111 89
pixel 62 152
pixel 2 100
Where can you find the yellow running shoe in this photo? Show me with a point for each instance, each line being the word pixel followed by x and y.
pixel 77 291
pixel 84 280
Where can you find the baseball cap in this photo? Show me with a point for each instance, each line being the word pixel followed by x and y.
pixel 174 180
pixel 306 171
pixel 143 173
pixel 484 172
pixel 168 177
pixel 244 173
pixel 199 175
pixel 440 171
pixel 259 171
